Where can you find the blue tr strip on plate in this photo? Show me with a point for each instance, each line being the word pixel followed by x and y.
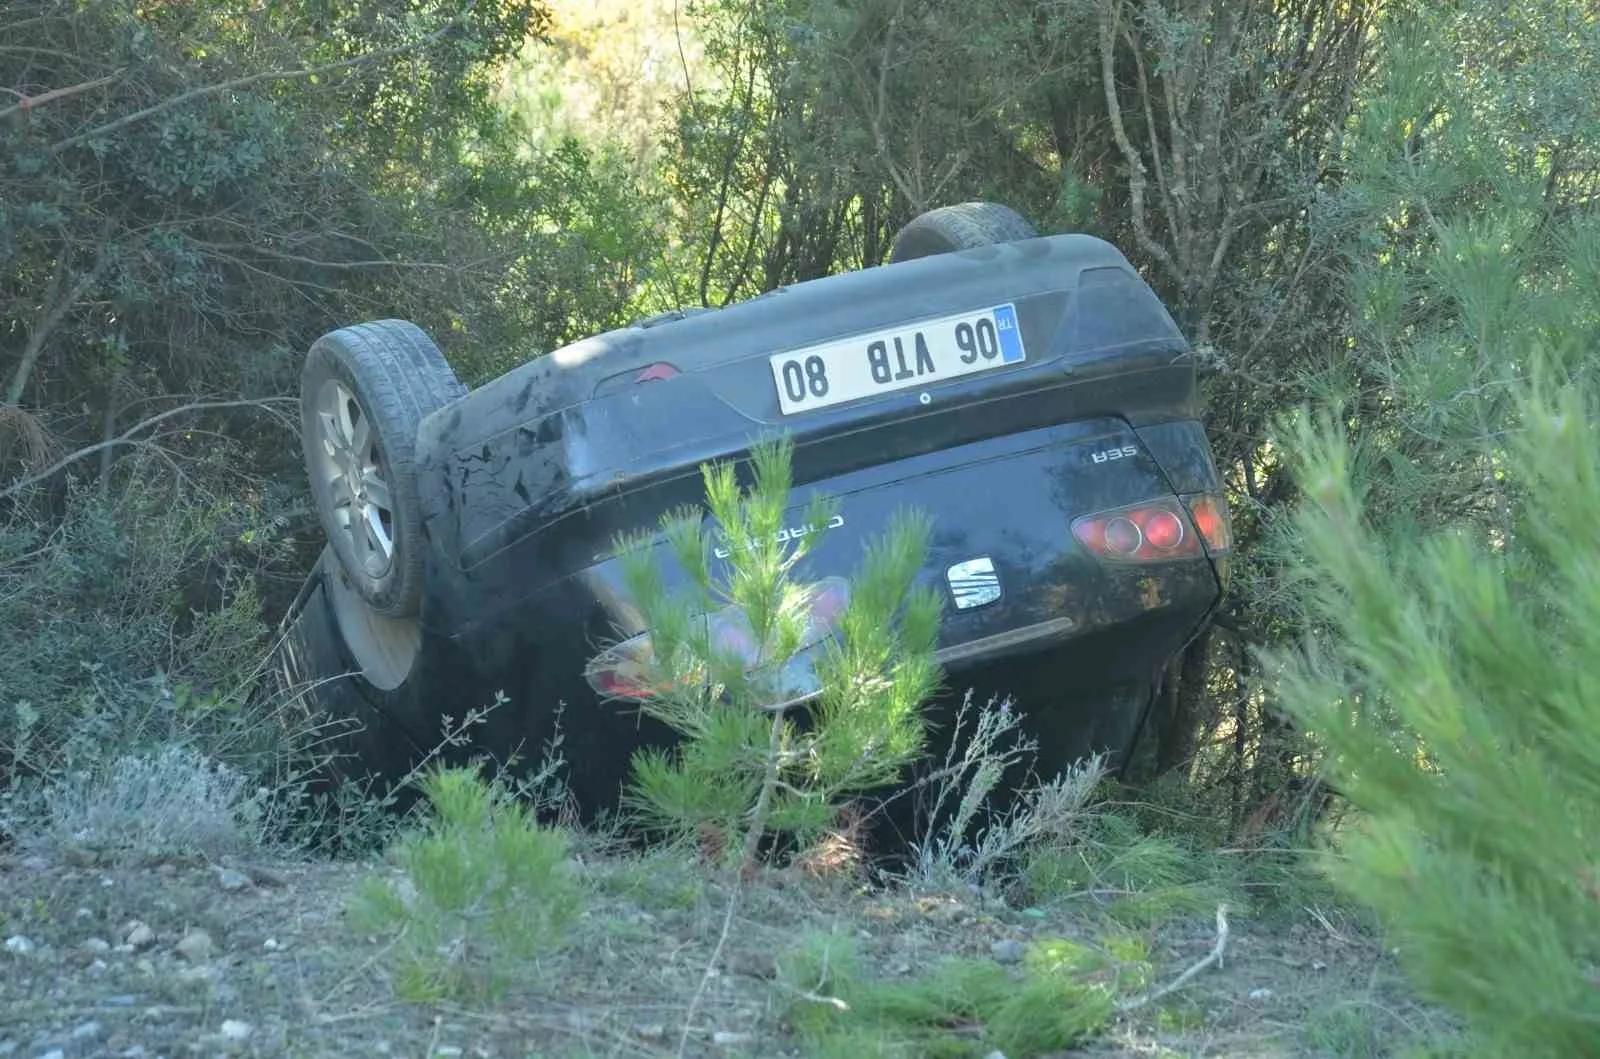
pixel 1005 322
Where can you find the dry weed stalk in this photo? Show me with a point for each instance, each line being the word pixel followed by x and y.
pixel 24 436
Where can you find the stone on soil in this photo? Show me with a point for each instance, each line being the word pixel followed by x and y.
pixel 195 946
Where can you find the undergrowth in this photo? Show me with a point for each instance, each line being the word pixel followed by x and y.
pixel 483 888
pixel 1063 993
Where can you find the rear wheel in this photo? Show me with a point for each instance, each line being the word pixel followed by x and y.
pixel 363 391
pixel 963 226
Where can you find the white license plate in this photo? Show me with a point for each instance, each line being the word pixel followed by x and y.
pixel 916 355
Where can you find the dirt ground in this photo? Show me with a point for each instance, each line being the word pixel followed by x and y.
pixel 257 959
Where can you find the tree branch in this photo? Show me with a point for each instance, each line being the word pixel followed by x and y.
pixel 1110 14
pixel 1212 957
pixel 128 437
pixel 26 104
pixel 34 349
pixel 345 266
pixel 242 82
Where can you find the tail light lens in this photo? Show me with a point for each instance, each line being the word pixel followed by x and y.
pixel 624 670
pixel 1158 530
pixel 1212 519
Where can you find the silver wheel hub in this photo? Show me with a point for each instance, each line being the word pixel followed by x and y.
pixel 350 475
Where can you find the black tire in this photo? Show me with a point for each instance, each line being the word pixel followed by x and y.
pixel 964 226
pixel 397 376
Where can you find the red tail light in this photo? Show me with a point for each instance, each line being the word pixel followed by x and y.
pixel 622 671
pixel 1158 530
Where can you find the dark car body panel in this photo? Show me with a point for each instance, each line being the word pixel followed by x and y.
pixel 526 481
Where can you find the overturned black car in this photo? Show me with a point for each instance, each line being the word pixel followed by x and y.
pixel 1031 395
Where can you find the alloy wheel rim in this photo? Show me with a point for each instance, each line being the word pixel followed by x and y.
pixel 351 477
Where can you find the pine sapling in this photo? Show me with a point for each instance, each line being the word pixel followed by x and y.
pixel 788 693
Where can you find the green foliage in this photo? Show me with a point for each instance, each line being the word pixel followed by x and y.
pixel 112 643
pixel 1467 168
pixel 190 195
pixel 1450 479
pixel 144 806
pixel 745 765
pixel 1063 994
pixel 1139 879
pixel 485 889
pixel 1457 707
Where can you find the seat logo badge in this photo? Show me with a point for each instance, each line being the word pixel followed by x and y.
pixel 974 583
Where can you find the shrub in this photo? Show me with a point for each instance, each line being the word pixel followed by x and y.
pixel 94 607
pixel 147 806
pixel 966 841
pixel 484 889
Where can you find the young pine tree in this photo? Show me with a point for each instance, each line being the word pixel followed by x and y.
pixel 758 756
pixel 1446 555
pixel 1459 704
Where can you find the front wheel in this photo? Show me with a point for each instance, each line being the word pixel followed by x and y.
pixel 963 226
pixel 363 391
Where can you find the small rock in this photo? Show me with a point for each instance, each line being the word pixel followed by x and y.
pixel 235 1029
pixel 96 945
pixel 1260 994
pixel 35 862
pixel 195 946
pixel 99 966
pixel 1007 950
pixel 54 1053
pixel 8 1047
pixel 726 1037
pixel 232 880
pixel 271 945
pixel 447 1051
pixel 139 935
pixel 1318 965
pixel 86 1030
pixel 204 973
pixel 997 1054
pixel 653 1032
pixel 19 945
